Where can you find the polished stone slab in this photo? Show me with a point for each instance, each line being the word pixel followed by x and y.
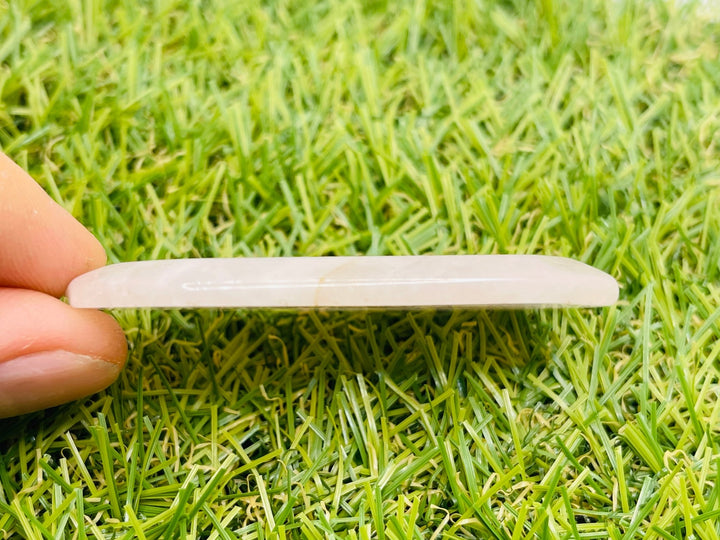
pixel 484 281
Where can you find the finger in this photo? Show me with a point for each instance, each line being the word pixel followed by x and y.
pixel 42 246
pixel 51 353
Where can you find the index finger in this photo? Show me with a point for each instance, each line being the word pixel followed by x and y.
pixel 42 247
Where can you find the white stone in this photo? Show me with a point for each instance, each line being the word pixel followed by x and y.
pixel 517 281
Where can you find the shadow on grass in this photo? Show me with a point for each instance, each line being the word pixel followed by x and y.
pixel 236 356
pixel 381 401
pixel 230 358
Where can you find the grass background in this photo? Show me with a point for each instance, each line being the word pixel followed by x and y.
pixel 222 128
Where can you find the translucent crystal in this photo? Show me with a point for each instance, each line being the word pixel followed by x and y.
pixel 345 282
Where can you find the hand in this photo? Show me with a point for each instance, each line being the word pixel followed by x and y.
pixel 50 353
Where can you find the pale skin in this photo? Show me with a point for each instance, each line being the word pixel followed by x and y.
pixel 50 353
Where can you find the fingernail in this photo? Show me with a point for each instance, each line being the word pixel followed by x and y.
pixel 45 379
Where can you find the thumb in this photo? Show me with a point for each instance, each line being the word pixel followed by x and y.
pixel 51 353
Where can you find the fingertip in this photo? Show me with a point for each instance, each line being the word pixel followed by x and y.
pixel 96 257
pixel 42 246
pixel 51 353
pixel 31 321
pixel 115 348
pixel 49 378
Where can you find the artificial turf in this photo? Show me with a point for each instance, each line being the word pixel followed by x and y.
pixel 225 128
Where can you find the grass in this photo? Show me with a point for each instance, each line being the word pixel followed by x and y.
pixel 221 128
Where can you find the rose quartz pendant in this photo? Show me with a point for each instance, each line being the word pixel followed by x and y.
pixel 482 281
